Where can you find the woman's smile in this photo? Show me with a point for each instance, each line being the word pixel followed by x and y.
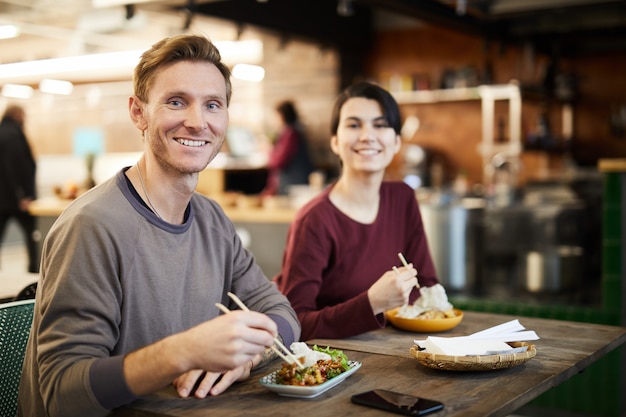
pixel 368 151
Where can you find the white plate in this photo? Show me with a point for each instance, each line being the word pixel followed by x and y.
pixel 269 382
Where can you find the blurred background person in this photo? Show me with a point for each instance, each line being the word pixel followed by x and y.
pixel 17 180
pixel 289 161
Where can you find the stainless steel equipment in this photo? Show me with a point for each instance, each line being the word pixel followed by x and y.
pixel 454 232
pixel 555 269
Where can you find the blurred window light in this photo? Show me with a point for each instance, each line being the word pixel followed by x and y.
pixel 93 96
pixel 248 72
pixel 17 91
pixel 111 3
pixel 244 51
pixel 61 87
pixel 413 181
pixel 9 31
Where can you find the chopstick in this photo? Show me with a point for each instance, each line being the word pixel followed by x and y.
pixel 283 357
pixel 405 263
pixel 395 268
pixel 403 259
pixel 276 340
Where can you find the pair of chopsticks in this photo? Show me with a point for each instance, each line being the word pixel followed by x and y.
pixel 290 358
pixel 405 263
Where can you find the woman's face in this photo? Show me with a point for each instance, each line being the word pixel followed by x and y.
pixel 364 140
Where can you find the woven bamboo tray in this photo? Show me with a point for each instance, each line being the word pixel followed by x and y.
pixel 474 362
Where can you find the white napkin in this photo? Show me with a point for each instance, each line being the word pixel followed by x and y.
pixel 504 328
pixel 480 343
pixel 453 347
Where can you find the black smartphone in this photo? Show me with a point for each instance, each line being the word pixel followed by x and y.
pixel 396 402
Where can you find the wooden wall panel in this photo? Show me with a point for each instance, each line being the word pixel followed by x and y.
pixel 455 129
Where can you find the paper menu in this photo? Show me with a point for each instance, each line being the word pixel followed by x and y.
pixel 482 342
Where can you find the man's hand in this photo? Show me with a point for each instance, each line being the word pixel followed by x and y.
pixel 212 383
pixel 225 346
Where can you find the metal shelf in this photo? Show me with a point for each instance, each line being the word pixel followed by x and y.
pixel 437 96
pixel 487 94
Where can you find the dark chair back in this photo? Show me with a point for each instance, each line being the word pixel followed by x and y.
pixel 15 323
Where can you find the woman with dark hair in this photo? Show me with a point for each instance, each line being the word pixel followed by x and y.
pixel 290 161
pixel 338 264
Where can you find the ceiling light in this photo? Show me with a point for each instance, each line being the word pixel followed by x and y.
pixel 17 91
pixel 56 66
pixel 345 8
pixel 112 64
pixel 249 72
pixel 9 31
pixel 461 7
pixel 60 87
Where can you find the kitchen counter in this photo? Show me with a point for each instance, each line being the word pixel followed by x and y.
pixel 612 165
pixel 262 227
pixel 239 209
pixel 48 206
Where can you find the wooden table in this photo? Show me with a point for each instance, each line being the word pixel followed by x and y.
pixel 565 348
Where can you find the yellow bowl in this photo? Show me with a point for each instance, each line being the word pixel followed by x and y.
pixel 424 325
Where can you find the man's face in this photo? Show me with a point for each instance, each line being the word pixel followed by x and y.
pixel 186 116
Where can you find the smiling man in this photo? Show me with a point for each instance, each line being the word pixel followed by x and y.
pixel 133 269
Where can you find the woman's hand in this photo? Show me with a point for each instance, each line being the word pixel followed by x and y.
pixel 392 289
